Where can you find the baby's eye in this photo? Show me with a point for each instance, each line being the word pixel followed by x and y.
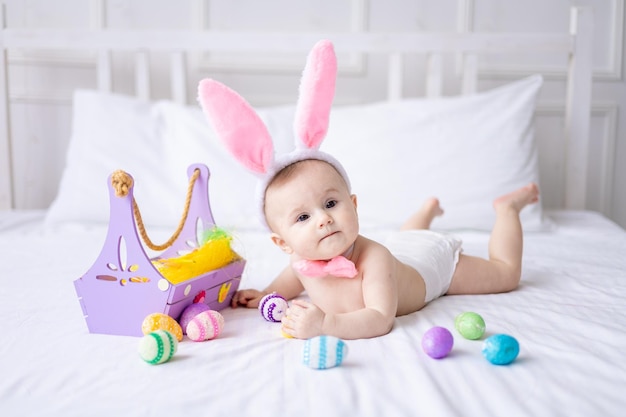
pixel 302 217
pixel 331 204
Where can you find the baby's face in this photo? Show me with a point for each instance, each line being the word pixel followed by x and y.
pixel 311 213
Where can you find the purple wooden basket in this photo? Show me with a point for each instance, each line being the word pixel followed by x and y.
pixel 122 287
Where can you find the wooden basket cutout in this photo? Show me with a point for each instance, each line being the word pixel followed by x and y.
pixel 122 286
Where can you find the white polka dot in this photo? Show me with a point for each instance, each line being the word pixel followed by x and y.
pixel 163 285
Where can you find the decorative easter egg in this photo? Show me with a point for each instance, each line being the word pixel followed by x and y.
pixel 205 326
pixel 500 349
pixel 323 352
pixel 470 325
pixel 191 311
pixel 273 307
pixel 437 342
pixel 157 347
pixel 160 321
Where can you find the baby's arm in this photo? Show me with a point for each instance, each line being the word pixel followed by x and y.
pixel 380 295
pixel 285 284
pixel 305 320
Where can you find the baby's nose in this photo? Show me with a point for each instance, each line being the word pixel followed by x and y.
pixel 324 220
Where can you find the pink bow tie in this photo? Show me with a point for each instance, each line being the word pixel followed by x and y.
pixel 339 266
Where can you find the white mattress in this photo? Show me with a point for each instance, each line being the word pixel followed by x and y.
pixel 569 316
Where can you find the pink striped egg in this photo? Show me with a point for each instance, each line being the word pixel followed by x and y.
pixel 273 307
pixel 205 326
pixel 191 311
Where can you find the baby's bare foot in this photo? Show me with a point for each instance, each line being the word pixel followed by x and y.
pixel 519 198
pixel 431 208
pixel 422 218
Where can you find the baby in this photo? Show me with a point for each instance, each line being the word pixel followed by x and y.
pixel 313 216
pixel 356 286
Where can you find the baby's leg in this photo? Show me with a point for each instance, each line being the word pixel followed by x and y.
pixel 502 271
pixel 422 218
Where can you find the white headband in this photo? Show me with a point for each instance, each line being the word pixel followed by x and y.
pixel 283 162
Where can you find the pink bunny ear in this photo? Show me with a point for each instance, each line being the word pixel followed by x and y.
pixel 317 89
pixel 237 125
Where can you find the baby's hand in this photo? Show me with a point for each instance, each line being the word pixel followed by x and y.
pixel 303 320
pixel 247 298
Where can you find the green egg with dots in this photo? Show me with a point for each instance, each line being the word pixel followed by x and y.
pixel 158 347
pixel 470 325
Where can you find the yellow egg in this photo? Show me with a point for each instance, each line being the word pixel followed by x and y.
pixel 160 321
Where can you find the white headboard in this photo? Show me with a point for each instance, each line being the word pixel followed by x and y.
pixel 470 47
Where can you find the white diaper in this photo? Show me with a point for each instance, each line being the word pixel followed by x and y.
pixel 434 255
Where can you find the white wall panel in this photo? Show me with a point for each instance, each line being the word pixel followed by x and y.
pixel 549 16
pixel 42 82
pixel 277 16
pixel 38 155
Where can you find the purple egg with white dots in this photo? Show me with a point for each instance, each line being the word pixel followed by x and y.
pixel 437 342
pixel 273 307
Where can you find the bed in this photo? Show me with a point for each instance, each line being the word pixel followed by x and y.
pixel 568 313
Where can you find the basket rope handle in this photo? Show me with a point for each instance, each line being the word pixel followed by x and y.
pixel 122 182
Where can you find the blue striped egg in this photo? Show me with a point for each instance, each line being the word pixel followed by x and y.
pixel 323 352
pixel 157 347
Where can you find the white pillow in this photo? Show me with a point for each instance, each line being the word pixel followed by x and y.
pixel 110 132
pixel 465 150
pixel 189 138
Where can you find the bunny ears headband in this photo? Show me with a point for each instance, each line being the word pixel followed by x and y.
pixel 246 136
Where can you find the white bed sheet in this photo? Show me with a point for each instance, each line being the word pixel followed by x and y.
pixel 569 316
